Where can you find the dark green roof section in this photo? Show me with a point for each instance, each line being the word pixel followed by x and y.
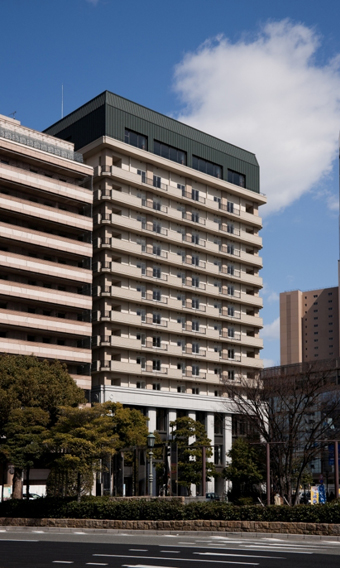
pixel 109 115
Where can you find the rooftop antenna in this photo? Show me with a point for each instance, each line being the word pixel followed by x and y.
pixel 62 101
pixel 13 114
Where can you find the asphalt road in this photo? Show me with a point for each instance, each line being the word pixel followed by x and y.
pixel 78 549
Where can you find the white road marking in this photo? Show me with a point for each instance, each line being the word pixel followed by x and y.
pixel 62 562
pixel 238 555
pixel 79 532
pixel 294 551
pixel 143 566
pixel 171 551
pixel 96 564
pixel 178 559
pixel 38 532
pixel 138 549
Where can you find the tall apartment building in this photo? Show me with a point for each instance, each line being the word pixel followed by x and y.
pixel 176 264
pixel 45 249
pixel 309 325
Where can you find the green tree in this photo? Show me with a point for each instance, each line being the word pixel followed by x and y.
pixel 83 437
pixel 245 470
pixel 190 436
pixel 28 385
pixel 80 439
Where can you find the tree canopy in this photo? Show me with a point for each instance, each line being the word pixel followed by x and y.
pixel 190 436
pixel 295 409
pixel 31 392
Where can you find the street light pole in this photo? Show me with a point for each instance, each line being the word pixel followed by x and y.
pixel 151 443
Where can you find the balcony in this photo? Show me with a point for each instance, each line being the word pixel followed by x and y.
pixel 154 371
pixel 154 228
pixel 154 206
pixel 149 273
pixel 193 196
pixel 193 263
pixel 193 241
pixel 188 216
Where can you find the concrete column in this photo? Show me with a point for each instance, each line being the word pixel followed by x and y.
pixel 152 419
pixel 192 414
pixel 172 415
pixel 227 443
pixel 210 427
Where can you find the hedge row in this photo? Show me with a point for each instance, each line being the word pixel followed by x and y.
pixel 167 510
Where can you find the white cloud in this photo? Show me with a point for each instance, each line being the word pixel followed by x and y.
pixel 268 95
pixel 271 330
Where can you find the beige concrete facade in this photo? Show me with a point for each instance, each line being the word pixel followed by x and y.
pixel 309 325
pixel 176 279
pixel 45 249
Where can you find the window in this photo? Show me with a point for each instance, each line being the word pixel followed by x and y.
pixel 230 269
pixel 231 311
pixel 156 227
pixel 157 181
pixel 156 365
pixel 156 341
pixel 231 375
pixel 195 303
pixel 156 387
pixel 195 370
pixel 181 389
pixel 142 174
pixel 156 318
pixel 195 194
pixel 195 281
pixel 195 239
pixel 136 139
pixel 156 295
pixel 218 455
pixel 195 348
pixel 156 272
pixel 195 217
pixel 206 167
pixel 195 260
pixel 181 187
pixel 236 178
pixel 231 332
pixel 230 207
pixel 156 205
pixel 195 326
pixel 230 249
pixel 230 228
pixel 141 313
pixel 156 250
pixel 195 390
pixel 230 290
pixel 141 362
pixel 231 354
pixel 170 153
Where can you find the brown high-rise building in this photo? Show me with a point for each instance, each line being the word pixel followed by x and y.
pixel 309 325
pixel 45 249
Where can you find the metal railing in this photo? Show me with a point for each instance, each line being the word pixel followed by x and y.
pixel 40 145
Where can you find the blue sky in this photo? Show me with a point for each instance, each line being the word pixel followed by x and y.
pixel 263 75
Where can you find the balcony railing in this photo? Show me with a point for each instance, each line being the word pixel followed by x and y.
pixel 157 229
pixel 191 217
pixel 231 252
pixel 189 239
pixel 150 345
pixel 230 272
pixel 149 273
pixel 193 197
pixel 229 208
pixel 151 369
pixel 150 297
pixel 154 205
pixel 199 263
pixel 150 321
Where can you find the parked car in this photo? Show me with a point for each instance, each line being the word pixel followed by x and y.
pixel 212 496
pixel 31 496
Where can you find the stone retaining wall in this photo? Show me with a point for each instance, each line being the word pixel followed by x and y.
pixel 212 526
